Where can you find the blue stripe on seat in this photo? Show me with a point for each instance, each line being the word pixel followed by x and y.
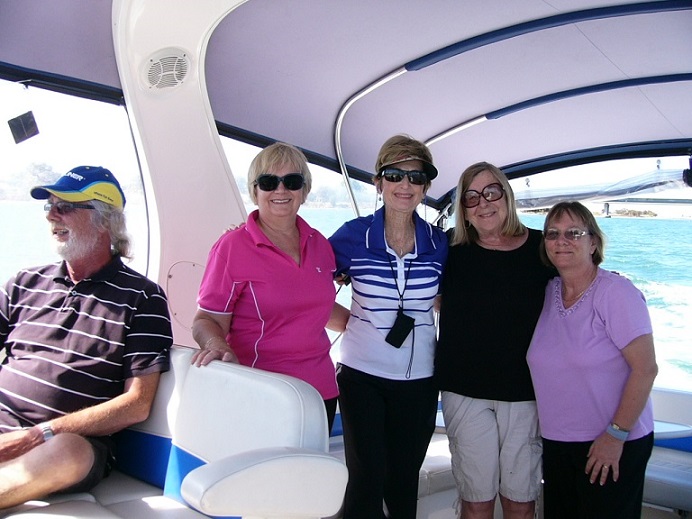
pixel 180 463
pixel 678 444
pixel 142 455
pixel 337 426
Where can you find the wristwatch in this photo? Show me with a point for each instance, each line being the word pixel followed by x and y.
pixel 617 432
pixel 46 430
pixel 618 428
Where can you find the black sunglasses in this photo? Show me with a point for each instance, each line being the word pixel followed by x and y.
pixel 417 178
pixel 64 208
pixel 491 193
pixel 292 181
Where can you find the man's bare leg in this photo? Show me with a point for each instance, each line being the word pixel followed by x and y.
pixel 55 465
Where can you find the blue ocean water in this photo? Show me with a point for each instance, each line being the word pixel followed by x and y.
pixel 656 254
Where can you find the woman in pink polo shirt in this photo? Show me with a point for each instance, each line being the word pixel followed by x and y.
pixel 268 291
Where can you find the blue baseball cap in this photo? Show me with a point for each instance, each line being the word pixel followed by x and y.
pixel 84 183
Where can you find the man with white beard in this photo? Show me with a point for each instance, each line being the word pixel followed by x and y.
pixel 86 342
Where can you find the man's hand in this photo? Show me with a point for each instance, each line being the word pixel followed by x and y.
pixel 14 444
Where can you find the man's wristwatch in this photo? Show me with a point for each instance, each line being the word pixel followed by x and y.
pixel 46 430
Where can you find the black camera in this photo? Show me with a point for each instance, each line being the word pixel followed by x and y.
pixel 403 324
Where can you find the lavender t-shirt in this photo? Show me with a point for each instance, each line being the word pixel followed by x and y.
pixel 576 361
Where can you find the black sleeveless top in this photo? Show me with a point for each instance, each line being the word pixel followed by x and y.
pixel 491 301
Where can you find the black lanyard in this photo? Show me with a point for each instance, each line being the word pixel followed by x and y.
pixel 396 280
pixel 401 309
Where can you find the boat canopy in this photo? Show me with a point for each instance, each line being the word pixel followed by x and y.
pixel 529 86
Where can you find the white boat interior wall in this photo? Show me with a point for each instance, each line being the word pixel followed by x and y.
pixel 157 114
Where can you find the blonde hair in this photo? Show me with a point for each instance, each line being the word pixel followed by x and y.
pixel 463 231
pixel 274 156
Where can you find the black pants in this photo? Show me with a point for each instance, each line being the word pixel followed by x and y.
pixel 568 494
pixel 387 428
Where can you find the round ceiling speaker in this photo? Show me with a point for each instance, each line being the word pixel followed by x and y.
pixel 166 68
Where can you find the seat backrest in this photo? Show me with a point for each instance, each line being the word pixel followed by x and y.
pixel 671 405
pixel 204 414
pixel 143 450
pixel 227 408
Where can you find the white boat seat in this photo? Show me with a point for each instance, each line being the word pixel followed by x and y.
pixel 669 479
pixel 222 440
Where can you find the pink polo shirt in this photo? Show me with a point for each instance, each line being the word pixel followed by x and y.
pixel 279 308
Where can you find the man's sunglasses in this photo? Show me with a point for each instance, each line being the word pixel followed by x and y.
pixel 417 178
pixel 292 182
pixel 491 193
pixel 64 208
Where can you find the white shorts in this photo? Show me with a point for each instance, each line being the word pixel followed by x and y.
pixel 495 446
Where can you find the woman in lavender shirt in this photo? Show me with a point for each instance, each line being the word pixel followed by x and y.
pixel 593 365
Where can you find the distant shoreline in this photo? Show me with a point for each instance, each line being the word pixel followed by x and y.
pixel 643 211
pixel 647 209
